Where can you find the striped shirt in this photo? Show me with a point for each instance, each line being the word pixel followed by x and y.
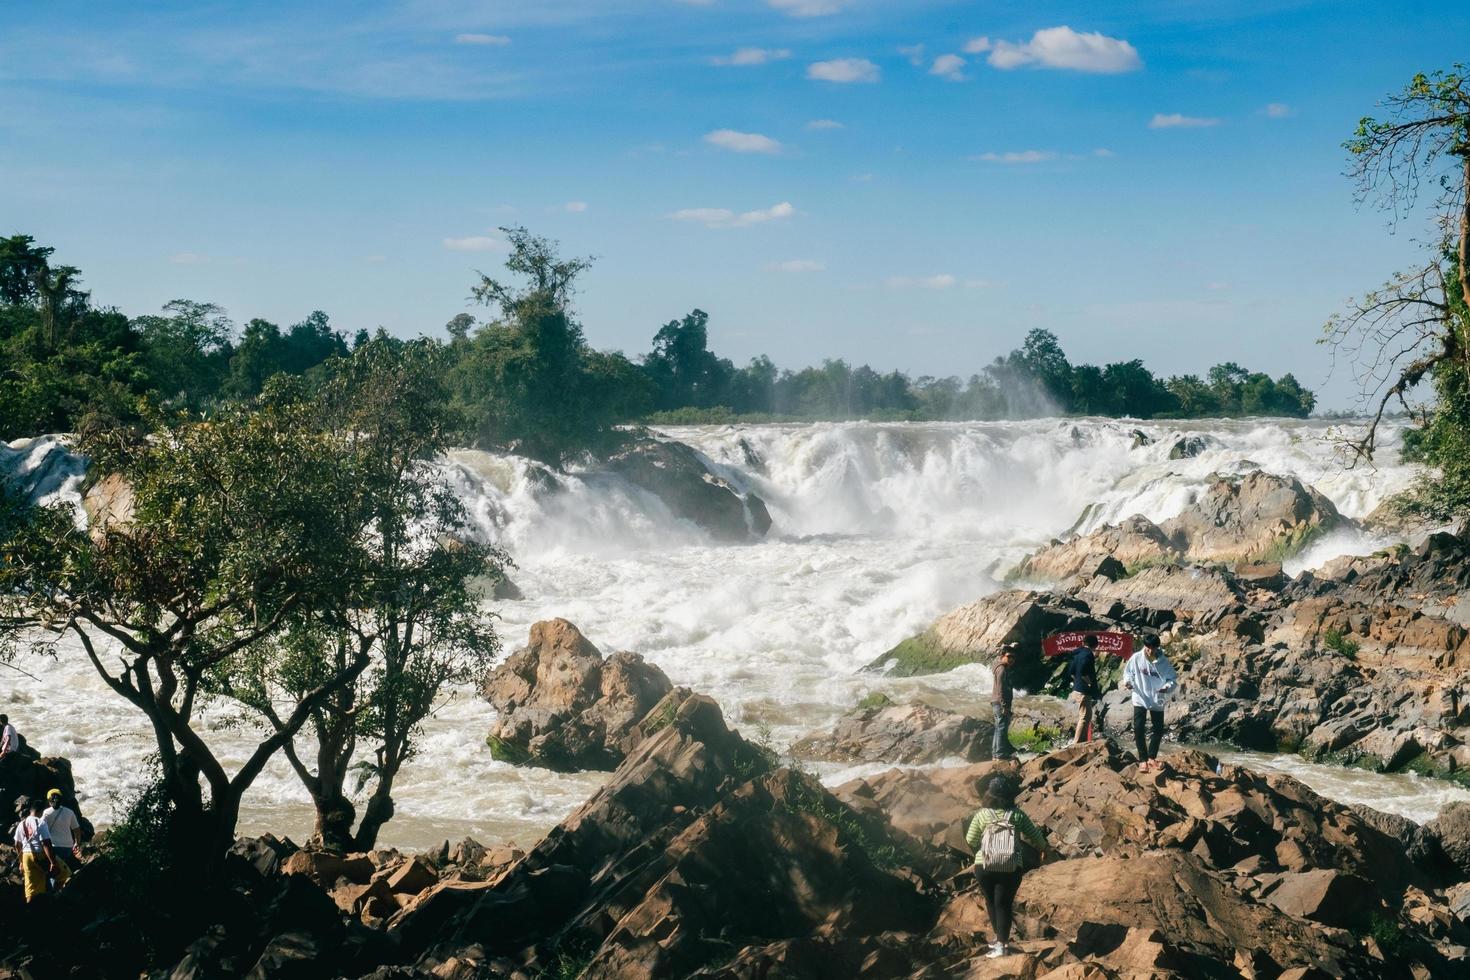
pixel 1023 824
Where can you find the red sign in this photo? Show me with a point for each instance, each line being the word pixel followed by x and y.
pixel 1114 642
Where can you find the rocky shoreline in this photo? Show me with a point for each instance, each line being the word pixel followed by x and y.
pixel 706 854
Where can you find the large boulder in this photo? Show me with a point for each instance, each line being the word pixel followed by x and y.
pixel 1451 829
pixel 975 633
pixel 681 478
pixel 696 839
pixel 1136 542
pixel 1255 517
pixel 562 706
pixel 909 734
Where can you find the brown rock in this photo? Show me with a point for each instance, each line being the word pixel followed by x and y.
pixel 412 877
pixel 1136 541
pixel 1325 895
pixel 911 734
pixel 563 707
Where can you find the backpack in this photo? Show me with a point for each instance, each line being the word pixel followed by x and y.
pixel 1000 846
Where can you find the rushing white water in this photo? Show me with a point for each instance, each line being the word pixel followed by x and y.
pixel 879 528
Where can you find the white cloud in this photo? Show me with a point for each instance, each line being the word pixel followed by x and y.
pixel 750 57
pixel 913 52
pixel 1061 47
pixel 188 258
pixel 862 178
pixel 844 70
pixel 1103 151
pixel 738 142
pixel 825 124
pixel 1277 110
pixel 797 265
pixel 575 207
pixel 493 40
pixel 977 45
pixel 725 218
pixel 474 243
pixel 807 8
pixel 941 281
pixel 950 66
pixel 1017 156
pixel 1174 120
pixel 984 283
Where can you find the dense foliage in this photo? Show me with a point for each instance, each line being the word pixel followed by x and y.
pixel 526 378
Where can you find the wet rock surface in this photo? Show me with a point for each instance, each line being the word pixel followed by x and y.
pixel 563 706
pixel 682 479
pixel 1258 517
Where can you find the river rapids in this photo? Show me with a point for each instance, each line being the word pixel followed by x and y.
pixel 879 528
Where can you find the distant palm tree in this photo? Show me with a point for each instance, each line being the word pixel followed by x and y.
pixel 54 286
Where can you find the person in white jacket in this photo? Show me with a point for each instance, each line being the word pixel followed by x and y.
pixel 1150 677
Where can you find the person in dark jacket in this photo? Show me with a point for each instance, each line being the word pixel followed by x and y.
pixel 1085 689
pixel 1000 702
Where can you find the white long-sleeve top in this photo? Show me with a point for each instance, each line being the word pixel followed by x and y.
pixel 1149 680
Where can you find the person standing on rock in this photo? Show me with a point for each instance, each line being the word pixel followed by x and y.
pixel 1150 677
pixel 9 740
pixel 1085 689
pixel 65 829
pixel 996 834
pixel 38 862
pixel 1000 702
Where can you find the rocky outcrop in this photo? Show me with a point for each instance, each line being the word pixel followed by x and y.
pixel 1258 517
pixel 696 847
pixel 907 734
pixel 681 478
pixel 562 706
pixel 1197 871
pixel 1364 661
pixel 974 634
pixel 1137 541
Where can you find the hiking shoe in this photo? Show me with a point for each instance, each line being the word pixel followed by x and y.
pixel 996 950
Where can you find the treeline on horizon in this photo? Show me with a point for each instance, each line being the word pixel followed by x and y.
pixel 525 378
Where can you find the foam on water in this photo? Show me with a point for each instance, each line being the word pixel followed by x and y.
pixel 879 528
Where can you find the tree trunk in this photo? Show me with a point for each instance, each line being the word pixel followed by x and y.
pixel 334 818
pixel 379 809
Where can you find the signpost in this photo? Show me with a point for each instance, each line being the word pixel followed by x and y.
pixel 1113 642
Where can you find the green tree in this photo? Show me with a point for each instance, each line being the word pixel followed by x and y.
pixel 237 524
pixel 524 380
pixel 684 371
pixel 1416 327
pixel 419 617
pixel 186 352
pixel 1041 358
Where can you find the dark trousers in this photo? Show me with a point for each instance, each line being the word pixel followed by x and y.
pixel 68 857
pixel 1149 749
pixel 999 889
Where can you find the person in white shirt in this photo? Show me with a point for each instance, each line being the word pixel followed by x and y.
pixel 9 738
pixel 38 862
pixel 65 829
pixel 1150 677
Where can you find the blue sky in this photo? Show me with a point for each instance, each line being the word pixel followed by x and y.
pixel 911 184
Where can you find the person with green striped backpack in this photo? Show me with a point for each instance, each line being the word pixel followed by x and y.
pixel 1000 834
